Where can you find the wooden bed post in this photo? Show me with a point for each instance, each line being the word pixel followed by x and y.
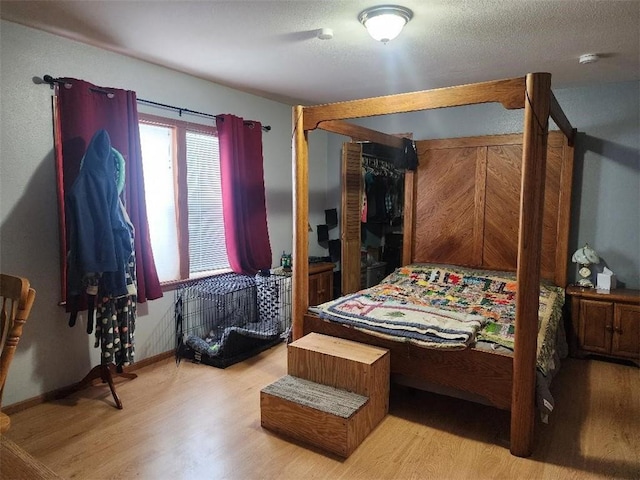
pixel 300 301
pixel 534 156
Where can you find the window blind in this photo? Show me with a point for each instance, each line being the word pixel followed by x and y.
pixel 207 248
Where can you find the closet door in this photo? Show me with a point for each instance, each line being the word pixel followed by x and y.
pixel 351 213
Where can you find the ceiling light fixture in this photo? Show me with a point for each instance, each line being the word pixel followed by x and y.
pixel 385 22
pixel 588 58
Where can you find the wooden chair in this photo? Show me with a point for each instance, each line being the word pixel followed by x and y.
pixel 16 299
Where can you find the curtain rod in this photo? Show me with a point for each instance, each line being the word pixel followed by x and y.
pixel 51 81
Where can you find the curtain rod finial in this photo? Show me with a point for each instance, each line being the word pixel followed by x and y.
pixel 49 79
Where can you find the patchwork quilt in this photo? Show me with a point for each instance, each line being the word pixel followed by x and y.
pixel 450 307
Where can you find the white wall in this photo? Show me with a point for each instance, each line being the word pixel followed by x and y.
pixel 51 354
pixel 606 185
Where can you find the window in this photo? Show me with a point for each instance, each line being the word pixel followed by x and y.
pixel 184 198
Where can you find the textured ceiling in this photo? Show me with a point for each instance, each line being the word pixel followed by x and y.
pixel 271 48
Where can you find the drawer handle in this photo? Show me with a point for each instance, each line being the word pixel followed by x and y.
pixel 608 328
pixel 618 330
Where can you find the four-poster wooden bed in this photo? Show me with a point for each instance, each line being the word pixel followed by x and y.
pixel 540 228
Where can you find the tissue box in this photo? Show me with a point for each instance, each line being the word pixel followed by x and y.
pixel 606 281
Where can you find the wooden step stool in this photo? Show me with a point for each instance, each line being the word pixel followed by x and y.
pixel 333 369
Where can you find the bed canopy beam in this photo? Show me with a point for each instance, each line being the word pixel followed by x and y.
pixel 360 134
pixel 507 92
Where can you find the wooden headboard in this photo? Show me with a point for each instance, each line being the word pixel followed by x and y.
pixel 462 204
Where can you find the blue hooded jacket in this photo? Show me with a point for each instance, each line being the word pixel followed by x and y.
pixel 100 239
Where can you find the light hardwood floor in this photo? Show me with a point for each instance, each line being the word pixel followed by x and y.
pixel 199 422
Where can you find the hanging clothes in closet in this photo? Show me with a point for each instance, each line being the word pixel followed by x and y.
pixel 100 258
pixel 383 195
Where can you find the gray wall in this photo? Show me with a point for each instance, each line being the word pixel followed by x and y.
pixel 606 192
pixel 51 354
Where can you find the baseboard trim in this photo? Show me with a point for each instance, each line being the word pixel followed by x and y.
pixel 60 392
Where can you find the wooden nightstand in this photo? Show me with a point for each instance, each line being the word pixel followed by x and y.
pixel 605 324
pixel 320 283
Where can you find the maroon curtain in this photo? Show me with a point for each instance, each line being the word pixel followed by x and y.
pixel 243 197
pixel 81 110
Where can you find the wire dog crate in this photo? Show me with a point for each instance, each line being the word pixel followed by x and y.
pixel 228 318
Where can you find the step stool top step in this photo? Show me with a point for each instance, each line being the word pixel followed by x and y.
pixel 339 347
pixel 334 401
